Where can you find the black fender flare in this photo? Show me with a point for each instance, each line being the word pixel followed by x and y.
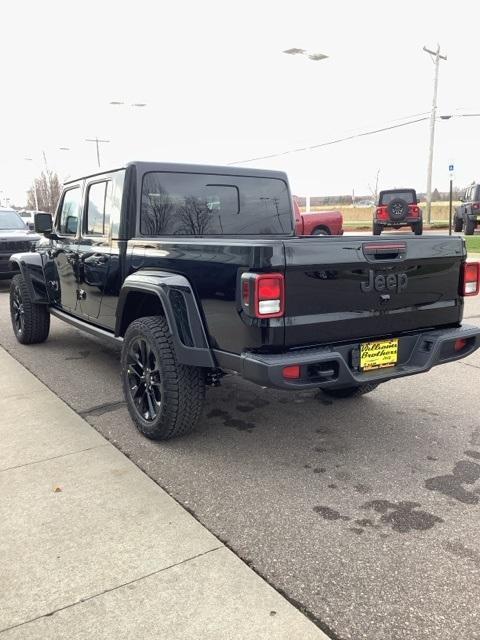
pixel 181 312
pixel 30 265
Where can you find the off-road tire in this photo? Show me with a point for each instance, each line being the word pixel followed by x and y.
pixel 417 228
pixel 470 226
pixel 30 321
pixel 182 387
pixel 457 224
pixel 351 392
pixel 397 210
pixel 377 229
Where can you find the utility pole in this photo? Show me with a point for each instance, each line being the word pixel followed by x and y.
pixel 436 57
pixel 97 141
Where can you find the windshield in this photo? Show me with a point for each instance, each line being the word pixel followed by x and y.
pixel 11 220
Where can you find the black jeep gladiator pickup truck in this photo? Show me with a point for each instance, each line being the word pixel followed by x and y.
pixel 196 271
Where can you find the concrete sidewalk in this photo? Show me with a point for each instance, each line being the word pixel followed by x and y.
pixel 90 547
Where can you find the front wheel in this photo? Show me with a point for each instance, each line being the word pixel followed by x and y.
pixel 164 398
pixel 351 392
pixel 30 321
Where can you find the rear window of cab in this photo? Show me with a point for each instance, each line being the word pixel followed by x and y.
pixel 410 197
pixel 190 204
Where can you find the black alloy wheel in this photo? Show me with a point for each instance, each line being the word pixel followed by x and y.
pixel 144 379
pixel 18 311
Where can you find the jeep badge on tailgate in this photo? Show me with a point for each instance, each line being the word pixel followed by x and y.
pixel 391 282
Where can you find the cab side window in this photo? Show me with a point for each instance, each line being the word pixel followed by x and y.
pixel 97 219
pixel 68 222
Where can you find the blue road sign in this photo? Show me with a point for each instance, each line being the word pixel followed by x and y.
pixel 450 167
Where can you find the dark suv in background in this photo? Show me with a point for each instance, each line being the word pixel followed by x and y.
pixel 398 208
pixel 15 236
pixel 466 215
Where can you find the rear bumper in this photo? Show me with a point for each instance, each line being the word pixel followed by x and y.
pixel 400 223
pixel 334 367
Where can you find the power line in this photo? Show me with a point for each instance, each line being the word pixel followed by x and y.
pixel 330 142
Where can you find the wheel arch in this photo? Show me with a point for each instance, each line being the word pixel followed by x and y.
pixel 30 265
pixel 321 227
pixel 170 295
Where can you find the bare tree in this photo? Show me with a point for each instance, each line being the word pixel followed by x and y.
pixel 157 213
pixel 195 217
pixel 374 192
pixel 48 188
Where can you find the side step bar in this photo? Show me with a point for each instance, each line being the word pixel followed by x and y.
pixel 84 326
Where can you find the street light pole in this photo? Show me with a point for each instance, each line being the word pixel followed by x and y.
pixel 436 57
pixel 97 141
pixel 316 57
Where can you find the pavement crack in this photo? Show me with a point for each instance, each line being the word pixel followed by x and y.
pixel 469 364
pixel 100 409
pixel 101 593
pixel 62 455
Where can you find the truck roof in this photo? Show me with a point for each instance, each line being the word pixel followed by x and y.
pixel 227 170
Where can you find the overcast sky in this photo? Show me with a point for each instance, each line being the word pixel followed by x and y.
pixel 219 89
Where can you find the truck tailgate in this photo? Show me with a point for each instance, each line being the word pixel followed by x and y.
pixel 340 289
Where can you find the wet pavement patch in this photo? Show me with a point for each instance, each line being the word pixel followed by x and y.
pixel 461 551
pixel 472 454
pixel 451 485
pixel 403 516
pixel 362 488
pixel 329 514
pixel 230 421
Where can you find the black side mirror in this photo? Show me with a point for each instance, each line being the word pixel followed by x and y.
pixel 43 223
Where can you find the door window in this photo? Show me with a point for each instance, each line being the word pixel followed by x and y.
pixel 68 222
pixel 97 220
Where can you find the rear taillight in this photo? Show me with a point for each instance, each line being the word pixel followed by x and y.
pixel 476 206
pixel 414 210
pixel 470 279
pixel 263 295
pixel 382 213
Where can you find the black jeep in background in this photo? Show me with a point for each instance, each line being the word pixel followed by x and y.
pixel 398 208
pixel 467 214
pixel 196 271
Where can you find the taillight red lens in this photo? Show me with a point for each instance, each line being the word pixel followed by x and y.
pixel 246 292
pixel 382 213
pixel 460 344
pixel 470 279
pixel 476 206
pixel 263 295
pixel 269 288
pixel 269 295
pixel 414 210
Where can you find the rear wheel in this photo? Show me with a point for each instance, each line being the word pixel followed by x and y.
pixel 470 226
pixel 30 321
pixel 457 224
pixel 351 392
pixel 320 232
pixel 417 228
pixel 377 229
pixel 164 398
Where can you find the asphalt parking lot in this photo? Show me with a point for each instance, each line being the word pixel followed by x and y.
pixel 365 512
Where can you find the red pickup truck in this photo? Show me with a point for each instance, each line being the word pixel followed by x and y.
pixel 317 223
